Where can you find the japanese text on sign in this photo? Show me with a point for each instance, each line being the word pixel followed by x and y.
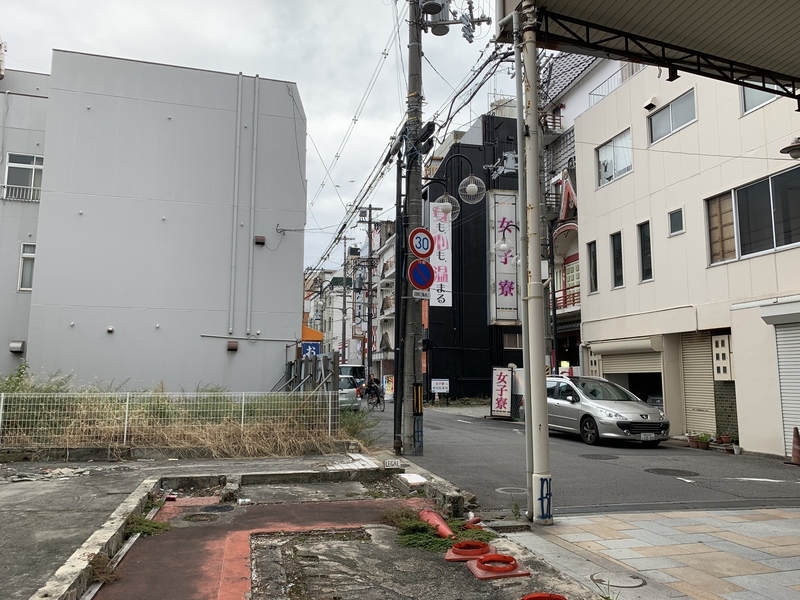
pixel 441 259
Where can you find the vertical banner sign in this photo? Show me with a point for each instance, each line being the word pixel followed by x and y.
pixel 442 259
pixel 501 392
pixel 504 280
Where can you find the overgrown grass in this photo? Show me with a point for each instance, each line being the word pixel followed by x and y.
pixel 360 425
pixel 99 570
pixel 416 533
pixel 144 526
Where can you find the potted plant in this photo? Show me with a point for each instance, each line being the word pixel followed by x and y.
pixel 725 438
pixel 691 437
pixel 703 439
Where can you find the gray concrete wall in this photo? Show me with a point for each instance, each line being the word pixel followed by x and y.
pixel 136 226
pixel 23 112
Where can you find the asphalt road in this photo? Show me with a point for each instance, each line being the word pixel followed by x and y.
pixel 487 458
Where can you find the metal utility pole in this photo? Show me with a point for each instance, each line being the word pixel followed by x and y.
pixel 551 225
pixel 412 310
pixel 343 353
pixel 542 479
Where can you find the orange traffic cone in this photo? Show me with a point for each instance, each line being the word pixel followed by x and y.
pixel 795 448
pixel 437 522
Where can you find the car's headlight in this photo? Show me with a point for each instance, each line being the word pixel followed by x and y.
pixel 661 415
pixel 610 414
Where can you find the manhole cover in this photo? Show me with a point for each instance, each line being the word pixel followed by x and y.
pixel 511 490
pixel 672 472
pixel 624 579
pixel 217 508
pixel 200 517
pixel 599 456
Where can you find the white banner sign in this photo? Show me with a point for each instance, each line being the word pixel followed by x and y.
pixel 504 251
pixel 501 392
pixel 440 386
pixel 441 260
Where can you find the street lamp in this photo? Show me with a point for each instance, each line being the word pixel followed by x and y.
pixel 793 149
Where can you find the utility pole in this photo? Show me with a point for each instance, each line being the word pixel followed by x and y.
pixel 343 354
pixel 542 479
pixel 370 266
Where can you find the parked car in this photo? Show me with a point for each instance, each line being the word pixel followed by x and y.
pixel 356 371
pixel 596 408
pixel 349 398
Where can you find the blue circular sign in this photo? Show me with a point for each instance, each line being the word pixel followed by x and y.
pixel 420 274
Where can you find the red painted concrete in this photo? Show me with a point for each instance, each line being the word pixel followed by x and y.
pixel 211 561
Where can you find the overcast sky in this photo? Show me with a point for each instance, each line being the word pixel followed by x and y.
pixel 331 48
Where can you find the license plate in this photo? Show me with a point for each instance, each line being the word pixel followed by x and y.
pixel 647 437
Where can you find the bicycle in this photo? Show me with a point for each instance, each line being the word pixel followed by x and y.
pixel 375 399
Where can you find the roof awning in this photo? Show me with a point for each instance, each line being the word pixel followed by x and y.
pixel 755 44
pixel 311 335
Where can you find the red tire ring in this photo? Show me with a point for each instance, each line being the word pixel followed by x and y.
pixel 543 596
pixel 470 548
pixel 508 563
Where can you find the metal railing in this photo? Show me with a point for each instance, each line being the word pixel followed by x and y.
pixel 19 193
pixel 627 71
pixel 162 420
pixel 550 122
pixel 568 297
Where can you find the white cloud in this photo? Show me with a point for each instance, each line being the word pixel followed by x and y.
pixel 329 48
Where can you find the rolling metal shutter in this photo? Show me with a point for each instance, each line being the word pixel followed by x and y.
pixel 698 382
pixel 788 341
pixel 642 362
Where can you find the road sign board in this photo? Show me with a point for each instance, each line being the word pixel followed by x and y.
pixel 420 274
pixel 310 348
pixel 421 294
pixel 420 241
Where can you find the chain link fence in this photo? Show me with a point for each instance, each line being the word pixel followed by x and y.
pixel 225 424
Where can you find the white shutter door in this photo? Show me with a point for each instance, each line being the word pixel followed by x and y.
pixel 788 340
pixel 698 382
pixel 643 362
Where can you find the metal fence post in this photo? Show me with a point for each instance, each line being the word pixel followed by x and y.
pixel 330 414
pixel 243 395
pixel 2 406
pixel 127 410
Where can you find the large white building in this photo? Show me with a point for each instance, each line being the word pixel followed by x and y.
pixel 162 208
pixel 689 223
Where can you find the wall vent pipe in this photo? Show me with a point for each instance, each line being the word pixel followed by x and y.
pixel 234 228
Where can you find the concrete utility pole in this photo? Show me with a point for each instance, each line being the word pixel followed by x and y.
pixel 343 353
pixel 412 310
pixel 542 479
pixel 370 267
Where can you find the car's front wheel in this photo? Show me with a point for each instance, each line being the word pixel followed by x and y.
pixel 589 432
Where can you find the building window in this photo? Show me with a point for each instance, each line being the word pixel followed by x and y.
pixel 26 267
pixel 769 213
pixel 672 117
pixel 591 253
pixel 614 158
pixel 23 177
pixel 645 256
pixel 753 99
pixel 616 259
pixel 512 341
pixel 676 221
pixel 721 229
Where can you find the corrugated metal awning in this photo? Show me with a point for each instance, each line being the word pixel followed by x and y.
pixel 731 40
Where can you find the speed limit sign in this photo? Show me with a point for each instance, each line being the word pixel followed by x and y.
pixel 420 241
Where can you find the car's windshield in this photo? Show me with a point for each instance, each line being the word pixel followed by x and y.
pixel 356 371
pixel 346 383
pixel 603 390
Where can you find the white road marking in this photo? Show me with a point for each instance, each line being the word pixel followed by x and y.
pixel 757 479
pixel 460 421
pixel 686 480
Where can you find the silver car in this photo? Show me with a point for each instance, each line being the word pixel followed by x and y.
pixel 349 398
pixel 596 408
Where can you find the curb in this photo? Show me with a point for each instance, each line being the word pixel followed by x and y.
pixel 72 578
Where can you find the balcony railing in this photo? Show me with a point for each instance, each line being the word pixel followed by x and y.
pixel 568 297
pixel 627 71
pixel 551 122
pixel 19 193
pixel 387 305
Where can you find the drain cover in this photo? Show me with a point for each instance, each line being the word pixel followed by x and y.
pixel 217 508
pixel 672 472
pixel 622 579
pixel 599 456
pixel 201 517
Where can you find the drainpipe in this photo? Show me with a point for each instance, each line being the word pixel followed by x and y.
pixel 252 209
pixel 235 228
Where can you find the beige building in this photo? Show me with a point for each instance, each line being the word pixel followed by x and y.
pixel 689 227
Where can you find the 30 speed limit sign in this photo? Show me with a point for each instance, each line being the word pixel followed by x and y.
pixel 420 241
